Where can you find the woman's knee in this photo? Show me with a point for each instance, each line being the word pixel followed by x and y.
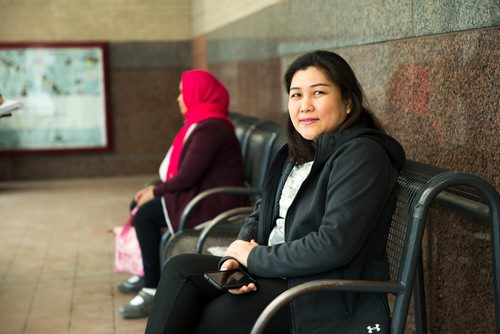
pixel 176 262
pixel 145 218
pixel 190 265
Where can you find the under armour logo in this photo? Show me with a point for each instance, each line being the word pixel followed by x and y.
pixel 371 329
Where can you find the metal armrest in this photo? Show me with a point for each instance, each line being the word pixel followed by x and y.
pixel 214 191
pixel 223 217
pixel 320 285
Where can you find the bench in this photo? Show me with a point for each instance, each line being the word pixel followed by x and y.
pixel 419 185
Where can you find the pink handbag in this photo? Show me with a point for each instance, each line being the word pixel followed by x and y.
pixel 128 257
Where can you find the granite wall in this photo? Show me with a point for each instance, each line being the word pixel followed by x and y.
pixel 430 71
pixel 144 116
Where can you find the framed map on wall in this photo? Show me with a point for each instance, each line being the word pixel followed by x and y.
pixel 63 91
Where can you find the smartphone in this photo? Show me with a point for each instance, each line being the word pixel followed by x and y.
pixel 229 279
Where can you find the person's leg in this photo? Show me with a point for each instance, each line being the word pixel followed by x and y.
pixel 132 205
pixel 148 221
pixel 134 283
pixel 233 314
pixel 182 294
pixel 186 302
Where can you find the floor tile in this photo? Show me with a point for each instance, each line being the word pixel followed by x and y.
pixel 56 256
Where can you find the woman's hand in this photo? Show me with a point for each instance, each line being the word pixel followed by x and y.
pixel 144 195
pixel 244 289
pixel 229 265
pixel 233 264
pixel 240 250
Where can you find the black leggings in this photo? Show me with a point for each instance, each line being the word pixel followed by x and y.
pixel 186 303
pixel 148 222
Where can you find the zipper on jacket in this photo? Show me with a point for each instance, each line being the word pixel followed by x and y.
pixel 270 187
pixel 344 294
pixel 293 324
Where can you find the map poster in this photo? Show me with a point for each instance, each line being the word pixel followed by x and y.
pixel 62 88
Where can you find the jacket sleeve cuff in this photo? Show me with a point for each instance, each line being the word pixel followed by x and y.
pixel 224 259
pixel 157 190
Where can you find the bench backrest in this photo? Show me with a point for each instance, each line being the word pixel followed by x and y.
pixel 412 181
pixel 420 185
pixel 260 141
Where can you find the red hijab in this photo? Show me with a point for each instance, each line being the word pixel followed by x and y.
pixel 205 97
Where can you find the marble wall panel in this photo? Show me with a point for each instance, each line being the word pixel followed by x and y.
pixel 450 92
pixel 434 17
pixel 149 55
pixel 458 273
pixel 345 22
pixel 254 86
pixel 146 123
pixel 437 95
pixel 298 26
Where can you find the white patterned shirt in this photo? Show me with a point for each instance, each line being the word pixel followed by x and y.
pixel 290 189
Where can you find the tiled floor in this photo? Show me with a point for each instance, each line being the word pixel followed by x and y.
pixel 56 256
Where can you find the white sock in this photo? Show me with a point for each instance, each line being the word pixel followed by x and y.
pixel 133 279
pixel 138 300
pixel 149 291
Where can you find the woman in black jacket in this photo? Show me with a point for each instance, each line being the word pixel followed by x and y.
pixel 324 213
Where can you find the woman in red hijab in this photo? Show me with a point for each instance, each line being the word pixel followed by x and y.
pixel 205 154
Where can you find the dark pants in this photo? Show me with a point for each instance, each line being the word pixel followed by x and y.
pixel 148 222
pixel 186 303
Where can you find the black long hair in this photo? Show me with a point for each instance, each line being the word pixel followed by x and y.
pixel 339 72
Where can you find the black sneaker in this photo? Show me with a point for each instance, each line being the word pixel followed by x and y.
pixel 132 285
pixel 129 311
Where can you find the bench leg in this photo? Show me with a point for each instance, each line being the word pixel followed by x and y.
pixel 419 299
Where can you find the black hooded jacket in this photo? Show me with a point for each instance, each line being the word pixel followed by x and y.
pixel 335 228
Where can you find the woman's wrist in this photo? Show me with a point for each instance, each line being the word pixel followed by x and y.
pixel 157 190
pixel 224 259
